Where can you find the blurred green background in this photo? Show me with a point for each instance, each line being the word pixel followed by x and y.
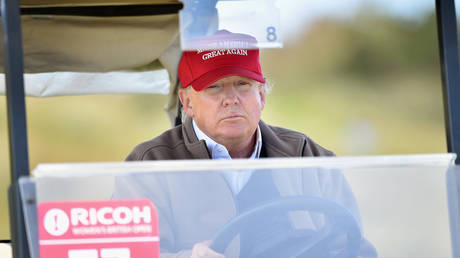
pixel 367 85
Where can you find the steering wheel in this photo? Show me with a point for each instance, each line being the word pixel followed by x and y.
pixel 307 243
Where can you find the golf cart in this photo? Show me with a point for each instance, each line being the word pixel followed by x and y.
pixel 62 184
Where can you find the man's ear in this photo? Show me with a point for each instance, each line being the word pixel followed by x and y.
pixel 185 98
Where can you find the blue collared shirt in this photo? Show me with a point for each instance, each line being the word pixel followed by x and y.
pixel 236 179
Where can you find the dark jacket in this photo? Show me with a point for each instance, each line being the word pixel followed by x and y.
pixel 189 213
pixel 181 143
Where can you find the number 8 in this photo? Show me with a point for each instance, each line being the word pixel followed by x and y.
pixel 271 34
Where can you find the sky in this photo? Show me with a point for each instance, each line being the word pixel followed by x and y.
pixel 289 17
pixel 295 13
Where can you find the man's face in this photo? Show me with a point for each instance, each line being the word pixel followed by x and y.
pixel 228 110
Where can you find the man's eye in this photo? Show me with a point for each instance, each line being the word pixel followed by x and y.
pixel 213 88
pixel 243 85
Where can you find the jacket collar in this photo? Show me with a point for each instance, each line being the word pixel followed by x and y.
pixel 194 146
pixel 275 146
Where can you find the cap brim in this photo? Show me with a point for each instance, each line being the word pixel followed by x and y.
pixel 212 76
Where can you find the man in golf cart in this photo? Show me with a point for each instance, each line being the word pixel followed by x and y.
pixel 223 94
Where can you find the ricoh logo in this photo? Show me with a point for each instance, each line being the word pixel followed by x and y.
pixel 57 221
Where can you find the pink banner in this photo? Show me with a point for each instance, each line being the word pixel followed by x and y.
pixel 98 229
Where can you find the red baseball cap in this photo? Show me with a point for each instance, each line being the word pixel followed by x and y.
pixel 225 54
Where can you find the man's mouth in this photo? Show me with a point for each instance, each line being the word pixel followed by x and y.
pixel 231 117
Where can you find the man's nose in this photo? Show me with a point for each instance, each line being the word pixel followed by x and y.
pixel 230 95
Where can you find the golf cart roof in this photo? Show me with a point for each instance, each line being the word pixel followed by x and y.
pixel 68 51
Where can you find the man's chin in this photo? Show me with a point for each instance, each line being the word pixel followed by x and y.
pixel 234 131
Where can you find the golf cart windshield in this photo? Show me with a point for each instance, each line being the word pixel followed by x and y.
pixel 290 207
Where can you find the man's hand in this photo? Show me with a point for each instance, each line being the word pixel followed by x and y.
pixel 202 250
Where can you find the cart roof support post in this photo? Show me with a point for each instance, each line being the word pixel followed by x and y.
pixel 19 158
pixel 450 71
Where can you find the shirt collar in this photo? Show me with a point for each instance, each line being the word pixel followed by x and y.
pixel 218 151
